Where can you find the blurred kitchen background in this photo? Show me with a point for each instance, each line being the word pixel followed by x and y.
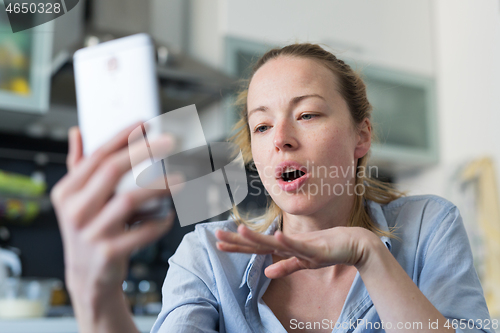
pixel 433 75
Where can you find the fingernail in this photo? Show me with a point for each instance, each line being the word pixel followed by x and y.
pixel 72 132
pixel 175 178
pixel 169 138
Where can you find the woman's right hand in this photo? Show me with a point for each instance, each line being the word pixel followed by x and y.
pixel 93 220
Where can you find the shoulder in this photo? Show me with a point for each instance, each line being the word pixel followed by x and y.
pixel 203 238
pixel 204 233
pixel 425 209
pixel 418 221
pixel 209 228
pixel 415 201
pixel 435 252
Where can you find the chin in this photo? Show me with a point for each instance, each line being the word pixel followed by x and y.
pixel 296 205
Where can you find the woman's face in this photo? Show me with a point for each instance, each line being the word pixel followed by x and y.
pixel 299 121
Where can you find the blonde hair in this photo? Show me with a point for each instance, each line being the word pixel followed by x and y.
pixel 353 90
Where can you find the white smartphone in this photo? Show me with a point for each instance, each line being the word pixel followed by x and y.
pixel 116 86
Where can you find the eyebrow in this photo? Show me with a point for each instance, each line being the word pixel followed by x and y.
pixel 293 101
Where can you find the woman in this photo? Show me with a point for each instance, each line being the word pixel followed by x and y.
pixel 324 257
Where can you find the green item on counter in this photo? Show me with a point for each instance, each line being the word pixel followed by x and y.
pixel 31 210
pixel 18 210
pixel 17 184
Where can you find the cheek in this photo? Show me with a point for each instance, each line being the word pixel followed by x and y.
pixel 265 175
pixel 336 145
pixel 261 150
pixel 258 154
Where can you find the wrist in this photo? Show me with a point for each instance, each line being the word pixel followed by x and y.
pixel 90 300
pixel 371 251
pixel 97 312
pixel 96 302
pixel 93 286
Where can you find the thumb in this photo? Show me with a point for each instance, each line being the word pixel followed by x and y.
pixel 75 151
pixel 284 267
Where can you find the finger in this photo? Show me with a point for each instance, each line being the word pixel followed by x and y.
pixel 253 248
pixel 75 148
pixel 226 247
pixel 104 181
pixel 284 267
pixel 232 238
pixel 82 171
pixel 237 239
pixel 300 248
pixel 119 211
pixel 258 238
pixel 143 234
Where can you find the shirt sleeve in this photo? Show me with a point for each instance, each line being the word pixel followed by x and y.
pixel 449 280
pixel 189 303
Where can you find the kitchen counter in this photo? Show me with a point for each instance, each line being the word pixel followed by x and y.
pixel 66 325
pixel 60 325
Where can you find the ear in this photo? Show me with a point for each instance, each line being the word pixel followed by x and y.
pixel 364 138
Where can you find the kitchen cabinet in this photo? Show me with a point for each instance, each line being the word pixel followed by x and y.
pixel 404 119
pixel 28 59
pixel 25 67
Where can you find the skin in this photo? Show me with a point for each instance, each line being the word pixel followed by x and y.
pixel 315 244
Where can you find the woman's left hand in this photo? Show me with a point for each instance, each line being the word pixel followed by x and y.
pixel 317 249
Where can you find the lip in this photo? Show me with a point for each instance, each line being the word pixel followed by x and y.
pixel 295 184
pixel 286 164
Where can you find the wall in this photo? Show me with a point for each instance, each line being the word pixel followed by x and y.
pixel 386 32
pixel 207 27
pixel 467 56
pixel 390 33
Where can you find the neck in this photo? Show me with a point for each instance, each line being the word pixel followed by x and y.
pixel 334 214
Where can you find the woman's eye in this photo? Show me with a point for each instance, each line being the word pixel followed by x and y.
pixel 307 116
pixel 261 129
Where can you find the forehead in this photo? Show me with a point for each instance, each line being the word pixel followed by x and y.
pixel 285 77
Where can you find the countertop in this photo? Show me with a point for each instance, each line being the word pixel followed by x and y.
pixel 60 325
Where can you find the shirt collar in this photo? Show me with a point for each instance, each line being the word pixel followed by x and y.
pixel 377 215
pixel 269 231
pixel 374 210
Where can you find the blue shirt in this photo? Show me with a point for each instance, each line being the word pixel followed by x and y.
pixel 207 290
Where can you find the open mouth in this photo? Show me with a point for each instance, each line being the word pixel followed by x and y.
pixel 292 175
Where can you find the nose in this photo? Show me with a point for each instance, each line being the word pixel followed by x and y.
pixel 284 136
